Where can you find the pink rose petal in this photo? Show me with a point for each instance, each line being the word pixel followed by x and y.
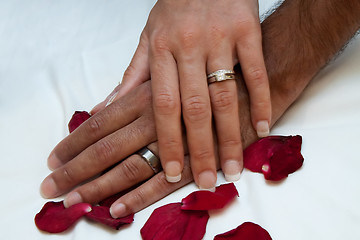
pixel 170 222
pixel 274 156
pixel 102 215
pixel 77 119
pixel 206 200
pixel 55 218
pixel 246 231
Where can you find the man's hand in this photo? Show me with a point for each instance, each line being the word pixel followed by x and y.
pixel 122 128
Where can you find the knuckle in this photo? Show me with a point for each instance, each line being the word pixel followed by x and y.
pixel 223 100
pixel 188 37
pixel 171 143
pixel 159 43
pixel 231 142
pixel 102 151
pixel 94 126
pixel 246 25
pixel 218 34
pixel 261 106
pixel 161 185
pixel 256 75
pixel 196 109
pixel 139 198
pixel 131 170
pixel 165 103
pixel 66 176
pixel 93 193
pixel 202 154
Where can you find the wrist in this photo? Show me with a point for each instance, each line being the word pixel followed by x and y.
pixel 299 39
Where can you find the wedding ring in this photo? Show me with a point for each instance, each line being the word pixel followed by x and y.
pixel 221 75
pixel 151 159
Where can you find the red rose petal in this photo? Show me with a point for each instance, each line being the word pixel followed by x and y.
pixel 206 200
pixel 274 156
pixel 170 222
pixel 77 119
pixel 102 215
pixel 246 231
pixel 55 218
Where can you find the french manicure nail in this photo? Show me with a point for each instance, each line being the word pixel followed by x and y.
pixel 118 210
pixel 207 180
pixel 48 188
pixel 173 171
pixel 111 99
pixel 231 170
pixel 72 199
pixel 262 129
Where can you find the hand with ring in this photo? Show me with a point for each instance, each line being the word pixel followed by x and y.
pixel 109 139
pixel 188 49
pixel 113 134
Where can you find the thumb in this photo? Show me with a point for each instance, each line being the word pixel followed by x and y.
pixel 136 73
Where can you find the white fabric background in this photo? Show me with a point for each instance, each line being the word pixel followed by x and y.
pixel 60 56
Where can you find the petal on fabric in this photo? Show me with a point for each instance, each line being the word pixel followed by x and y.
pixel 274 156
pixel 170 222
pixel 102 215
pixel 77 119
pixel 246 231
pixel 206 200
pixel 55 218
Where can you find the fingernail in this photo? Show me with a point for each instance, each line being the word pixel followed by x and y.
pixel 48 188
pixel 207 180
pixel 173 171
pixel 72 199
pixel 262 129
pixel 231 170
pixel 53 161
pixel 111 99
pixel 118 210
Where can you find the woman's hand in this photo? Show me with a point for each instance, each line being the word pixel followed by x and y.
pixel 182 42
pixel 108 140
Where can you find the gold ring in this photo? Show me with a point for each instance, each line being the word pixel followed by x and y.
pixel 221 75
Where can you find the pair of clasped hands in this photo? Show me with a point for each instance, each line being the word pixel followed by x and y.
pixel 182 43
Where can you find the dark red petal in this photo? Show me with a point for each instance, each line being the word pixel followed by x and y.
pixel 77 119
pixel 55 218
pixel 274 156
pixel 206 200
pixel 246 231
pixel 170 222
pixel 102 215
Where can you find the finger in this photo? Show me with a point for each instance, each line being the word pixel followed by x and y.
pixel 100 125
pixel 251 59
pixel 123 176
pixel 138 70
pixel 167 112
pixel 151 191
pixel 136 73
pixel 197 118
pixel 98 157
pixel 111 98
pixel 224 104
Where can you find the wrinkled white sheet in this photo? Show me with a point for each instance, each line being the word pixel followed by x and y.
pixel 60 56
